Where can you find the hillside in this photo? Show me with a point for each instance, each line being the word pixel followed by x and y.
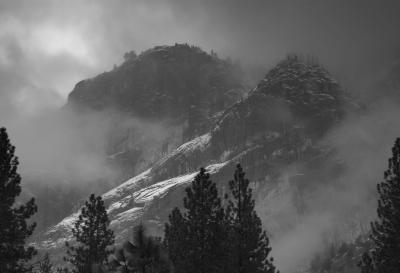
pixel 156 101
pixel 180 83
pixel 274 132
pixel 137 113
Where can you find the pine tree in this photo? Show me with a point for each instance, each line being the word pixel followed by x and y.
pixel 195 239
pixel 177 242
pixel 45 265
pixel 366 264
pixel 122 259
pixel 249 244
pixel 14 229
pixel 93 237
pixel 385 233
pixel 144 255
pixel 148 250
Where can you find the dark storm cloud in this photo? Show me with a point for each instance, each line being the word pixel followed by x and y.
pixel 46 46
pixel 355 39
pixel 61 42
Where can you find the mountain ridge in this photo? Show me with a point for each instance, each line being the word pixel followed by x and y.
pixel 271 131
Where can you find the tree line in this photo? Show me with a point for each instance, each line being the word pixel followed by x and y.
pixel 203 237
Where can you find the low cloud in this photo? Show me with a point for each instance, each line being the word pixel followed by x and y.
pixel 343 208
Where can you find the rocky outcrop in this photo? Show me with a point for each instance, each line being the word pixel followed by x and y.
pixel 179 82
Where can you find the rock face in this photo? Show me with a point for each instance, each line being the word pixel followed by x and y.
pixel 293 96
pixel 180 82
pixel 175 92
pixel 274 132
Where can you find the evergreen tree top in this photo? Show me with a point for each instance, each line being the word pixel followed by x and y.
pixel 249 243
pixel 385 231
pixel 14 229
pixel 94 238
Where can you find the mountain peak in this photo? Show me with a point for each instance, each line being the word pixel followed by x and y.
pixel 169 53
pixel 295 76
pixel 167 82
pixel 308 88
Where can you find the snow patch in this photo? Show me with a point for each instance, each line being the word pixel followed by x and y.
pixel 129 197
pixel 128 185
pixel 127 216
pixel 198 143
pixel 67 223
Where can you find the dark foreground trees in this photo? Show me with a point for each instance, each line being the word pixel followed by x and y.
pixel 385 234
pixel 14 229
pixel 205 238
pixel 45 265
pixel 249 244
pixel 149 256
pixel 94 239
pixel 144 255
pixel 208 238
pixel 195 239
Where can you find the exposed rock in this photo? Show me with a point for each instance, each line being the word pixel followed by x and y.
pixel 274 132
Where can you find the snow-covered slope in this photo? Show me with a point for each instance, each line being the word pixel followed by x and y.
pixel 126 204
pixel 274 133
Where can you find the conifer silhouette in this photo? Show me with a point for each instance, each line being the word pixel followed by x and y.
pixel 385 234
pixel 14 229
pixel 249 244
pixel 195 238
pixel 94 239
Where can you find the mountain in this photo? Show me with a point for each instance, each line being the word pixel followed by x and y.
pixel 181 82
pixel 135 114
pixel 176 91
pixel 274 131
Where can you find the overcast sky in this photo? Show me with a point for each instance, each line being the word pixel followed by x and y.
pixel 46 46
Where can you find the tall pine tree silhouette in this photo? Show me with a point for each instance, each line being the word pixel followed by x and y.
pixel 148 258
pixel 14 228
pixel 176 241
pixel 195 238
pixel 93 237
pixel 249 244
pixel 366 264
pixel 144 255
pixel 45 265
pixel 385 233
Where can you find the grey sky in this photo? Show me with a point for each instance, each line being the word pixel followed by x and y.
pixel 46 46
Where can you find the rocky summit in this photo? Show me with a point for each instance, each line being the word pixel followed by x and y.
pixel 180 82
pixel 176 92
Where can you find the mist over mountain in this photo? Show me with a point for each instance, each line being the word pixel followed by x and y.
pixel 120 122
pixel 162 82
pixel 284 131
pixel 158 99
pixel 129 99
